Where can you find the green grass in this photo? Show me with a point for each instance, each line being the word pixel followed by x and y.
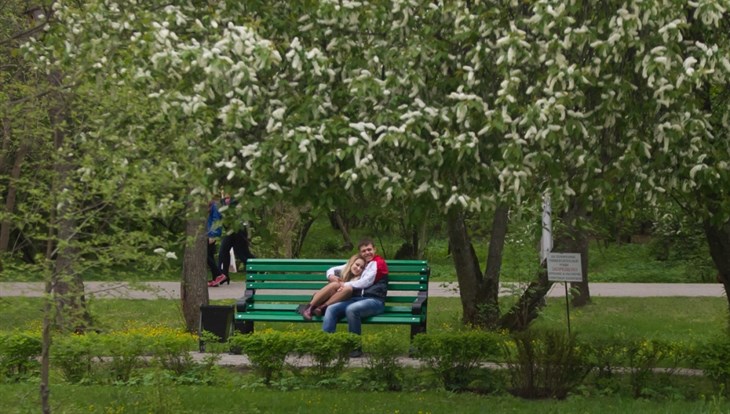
pixel 23 398
pixel 674 319
pixel 633 263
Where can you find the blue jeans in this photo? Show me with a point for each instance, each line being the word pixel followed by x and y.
pixel 355 309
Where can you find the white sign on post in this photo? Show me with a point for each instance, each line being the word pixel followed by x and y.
pixel 564 267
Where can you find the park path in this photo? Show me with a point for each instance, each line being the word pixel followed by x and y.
pixel 171 290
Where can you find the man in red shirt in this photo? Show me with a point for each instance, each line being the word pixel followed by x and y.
pixel 368 294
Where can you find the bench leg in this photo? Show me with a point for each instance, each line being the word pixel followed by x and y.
pixel 417 329
pixel 245 327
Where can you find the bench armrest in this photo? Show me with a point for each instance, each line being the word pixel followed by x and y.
pixel 417 306
pixel 243 302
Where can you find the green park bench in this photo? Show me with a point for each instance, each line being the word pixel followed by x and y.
pixel 275 288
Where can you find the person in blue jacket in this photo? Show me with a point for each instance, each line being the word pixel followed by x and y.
pixel 214 233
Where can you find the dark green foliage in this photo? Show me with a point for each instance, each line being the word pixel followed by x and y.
pixel 454 355
pixel 545 363
pixel 74 355
pixel 329 352
pixel 642 358
pixel 18 353
pixel 383 367
pixel 266 351
pixel 679 238
pixel 714 359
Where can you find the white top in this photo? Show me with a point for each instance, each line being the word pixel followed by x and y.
pixel 366 278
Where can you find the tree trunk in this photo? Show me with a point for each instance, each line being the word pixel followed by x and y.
pixel 467 268
pixel 571 239
pixel 348 245
pixel 718 239
pixel 68 288
pixel 5 225
pixel 301 235
pixel 574 239
pixel 5 146
pixel 422 239
pixel 527 308
pixel 479 293
pixel 494 263
pixel 194 286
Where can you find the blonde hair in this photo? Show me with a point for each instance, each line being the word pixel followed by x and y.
pixel 347 270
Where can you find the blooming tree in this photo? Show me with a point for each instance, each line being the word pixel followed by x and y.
pixel 465 108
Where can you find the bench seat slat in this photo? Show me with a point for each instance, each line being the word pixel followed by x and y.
pixel 383 318
pixel 306 298
pixel 292 307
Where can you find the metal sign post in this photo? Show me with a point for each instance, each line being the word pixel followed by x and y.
pixel 565 267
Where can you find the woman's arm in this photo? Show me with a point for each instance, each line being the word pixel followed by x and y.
pixel 332 272
pixel 366 278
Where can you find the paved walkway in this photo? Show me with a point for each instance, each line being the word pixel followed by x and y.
pixel 171 290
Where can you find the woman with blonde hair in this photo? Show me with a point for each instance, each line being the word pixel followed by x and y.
pixel 337 289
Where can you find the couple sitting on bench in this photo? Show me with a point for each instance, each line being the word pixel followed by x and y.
pixel 356 290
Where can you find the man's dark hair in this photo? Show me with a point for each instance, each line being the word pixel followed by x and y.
pixel 364 242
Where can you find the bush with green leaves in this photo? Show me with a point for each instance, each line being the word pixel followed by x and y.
pixel 172 351
pixel 116 356
pixel 74 355
pixel 329 351
pixel 18 355
pixel 545 363
pixel 123 352
pixel 454 355
pixel 382 366
pixel 643 357
pixel 607 356
pixel 266 351
pixel 713 357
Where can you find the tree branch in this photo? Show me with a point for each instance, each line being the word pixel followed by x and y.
pixel 24 34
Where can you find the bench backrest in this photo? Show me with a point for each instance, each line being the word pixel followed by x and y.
pixel 295 280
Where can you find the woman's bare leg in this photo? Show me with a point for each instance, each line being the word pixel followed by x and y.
pixel 344 294
pixel 324 293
